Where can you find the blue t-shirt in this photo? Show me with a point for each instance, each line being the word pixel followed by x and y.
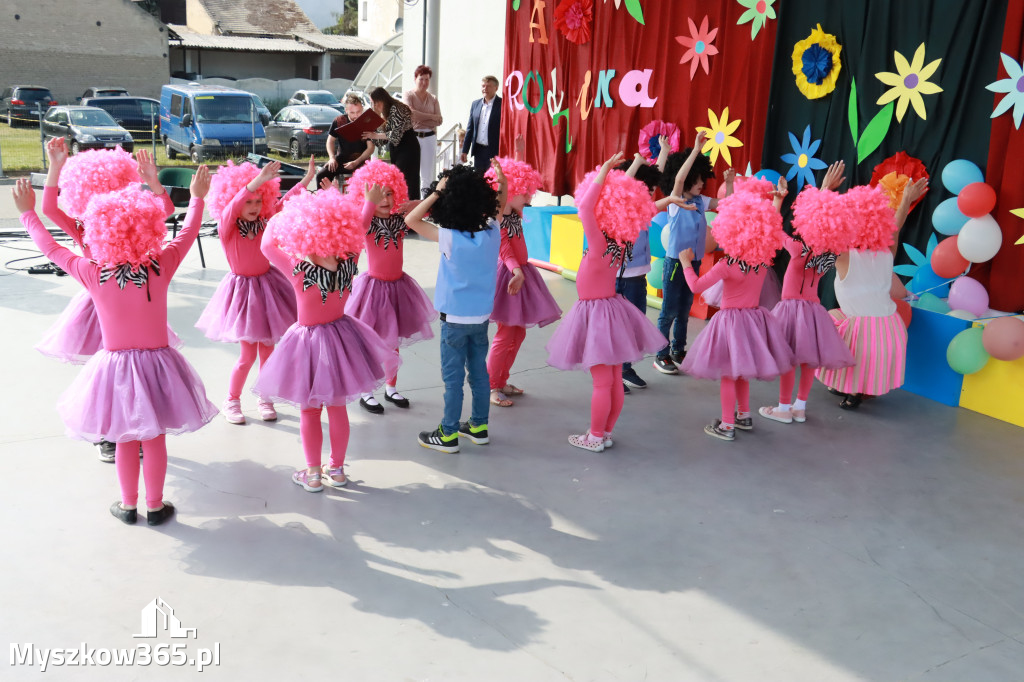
pixel 687 229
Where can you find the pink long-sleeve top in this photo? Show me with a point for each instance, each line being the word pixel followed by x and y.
pixel 513 253
pixel 241 239
pixel 135 315
pixel 598 269
pixel 72 227
pixel 804 271
pixel 385 239
pixel 739 290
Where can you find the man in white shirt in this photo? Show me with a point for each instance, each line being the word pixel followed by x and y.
pixel 484 126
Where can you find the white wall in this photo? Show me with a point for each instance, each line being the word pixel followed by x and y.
pixel 377 19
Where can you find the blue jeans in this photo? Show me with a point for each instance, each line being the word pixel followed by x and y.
pixel 676 302
pixel 464 348
pixel 634 290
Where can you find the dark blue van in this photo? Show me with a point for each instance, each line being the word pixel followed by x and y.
pixel 202 121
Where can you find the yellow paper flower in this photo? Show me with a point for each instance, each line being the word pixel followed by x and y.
pixel 909 83
pixel 720 136
pixel 816 64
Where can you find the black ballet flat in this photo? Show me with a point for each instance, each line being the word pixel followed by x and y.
pixel 155 518
pixel 372 409
pixel 129 516
pixel 851 402
pixel 397 402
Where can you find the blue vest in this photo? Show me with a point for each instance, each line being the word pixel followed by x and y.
pixel 466 278
pixel 641 250
pixel 688 229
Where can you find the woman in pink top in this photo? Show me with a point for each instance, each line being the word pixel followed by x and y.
pixel 327 358
pixel 603 329
pixel 253 305
pixel 136 389
pixel 741 341
pixel 387 299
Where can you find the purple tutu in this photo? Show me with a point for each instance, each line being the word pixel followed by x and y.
pixel 76 335
pixel 603 331
pixel 255 309
pixel 399 311
pixel 326 364
pixel 739 343
pixel 811 333
pixel 532 306
pixel 136 394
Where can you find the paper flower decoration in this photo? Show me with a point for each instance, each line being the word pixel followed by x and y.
pixel 720 136
pixel 633 7
pixel 573 19
pixel 649 145
pixel 698 45
pixel 816 64
pixel 893 175
pixel 758 13
pixel 1012 86
pixel 802 158
pixel 908 83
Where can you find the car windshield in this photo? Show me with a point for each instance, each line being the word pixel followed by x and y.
pixel 320 116
pixel 258 102
pixel 321 98
pixel 91 118
pixel 211 109
pixel 111 93
pixel 34 95
pixel 129 108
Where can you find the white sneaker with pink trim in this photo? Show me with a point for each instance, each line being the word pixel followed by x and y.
pixel 232 410
pixel 267 411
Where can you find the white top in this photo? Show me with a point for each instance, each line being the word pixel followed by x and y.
pixel 485 118
pixel 864 292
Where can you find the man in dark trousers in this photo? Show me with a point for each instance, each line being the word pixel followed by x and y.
pixel 484 125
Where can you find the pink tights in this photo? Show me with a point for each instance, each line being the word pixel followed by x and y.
pixel 606 399
pixel 504 349
pixel 788 380
pixel 391 376
pixel 154 470
pixel 735 398
pixel 313 435
pixel 245 362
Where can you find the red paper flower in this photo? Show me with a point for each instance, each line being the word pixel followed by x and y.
pixel 895 173
pixel 698 45
pixel 649 145
pixel 573 18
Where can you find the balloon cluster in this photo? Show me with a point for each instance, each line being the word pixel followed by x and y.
pixel 971 349
pixel 974 235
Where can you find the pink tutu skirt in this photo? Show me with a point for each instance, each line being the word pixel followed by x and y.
pixel 532 306
pixel 879 347
pixel 399 311
pixel 326 364
pixel 137 394
pixel 739 343
pixel 811 333
pixel 255 309
pixel 76 335
pixel 603 331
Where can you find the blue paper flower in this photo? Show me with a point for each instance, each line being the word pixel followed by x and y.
pixel 802 158
pixel 817 64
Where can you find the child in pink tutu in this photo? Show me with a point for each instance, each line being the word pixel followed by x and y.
pixel 603 329
pixel 741 341
pixel 386 298
pixel 253 305
pixel 136 389
pixel 521 297
pixel 327 358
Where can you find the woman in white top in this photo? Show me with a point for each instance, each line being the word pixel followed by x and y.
pixel 426 117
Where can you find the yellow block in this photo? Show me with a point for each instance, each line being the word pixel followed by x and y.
pixel 997 390
pixel 566 241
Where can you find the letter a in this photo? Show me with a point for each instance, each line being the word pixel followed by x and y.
pixel 634 87
pixel 538 10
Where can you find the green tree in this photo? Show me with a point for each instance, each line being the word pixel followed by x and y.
pixel 347 20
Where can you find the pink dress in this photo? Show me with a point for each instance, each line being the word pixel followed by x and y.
pixel 533 305
pixel 602 327
pixel 135 387
pixel 254 302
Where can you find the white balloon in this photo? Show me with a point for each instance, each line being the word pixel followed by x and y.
pixel 962 314
pixel 980 239
pixel 664 240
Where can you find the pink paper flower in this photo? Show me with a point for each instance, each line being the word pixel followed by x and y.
pixel 649 144
pixel 699 46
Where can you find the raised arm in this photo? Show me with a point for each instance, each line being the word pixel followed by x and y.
pixel 730 187
pixel 281 260
pixel 684 170
pixel 499 175
pixel 57 154
pixel 415 218
pixel 638 160
pixel 700 284
pixel 911 193
pixel 665 150
pixel 25 201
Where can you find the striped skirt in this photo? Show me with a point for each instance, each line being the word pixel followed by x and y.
pixel 879 347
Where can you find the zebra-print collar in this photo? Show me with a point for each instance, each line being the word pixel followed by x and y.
pixel 744 266
pixel 822 262
pixel 620 252
pixel 513 225
pixel 251 228
pixel 123 274
pixel 328 281
pixel 390 230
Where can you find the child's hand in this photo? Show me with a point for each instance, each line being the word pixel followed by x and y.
pixel 268 172
pixel 499 174
pixel 516 283
pixel 834 176
pixel 700 141
pixel 408 206
pixel 200 184
pixel 613 161
pixel 520 145
pixel 729 176
pixel 24 195
pixel 56 151
pixel 310 173
pixel 681 203
pixel 374 193
pixel 325 183
pixel 782 189
pixel 663 142
pixel 441 184
pixel 914 191
pixel 686 256
pixel 147 168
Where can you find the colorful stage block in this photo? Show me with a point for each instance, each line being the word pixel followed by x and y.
pixel 567 241
pixel 997 390
pixel 537 229
pixel 927 372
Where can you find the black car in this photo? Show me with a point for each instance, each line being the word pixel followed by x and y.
pixel 301 130
pixel 86 128
pixel 138 115
pixel 104 92
pixel 20 104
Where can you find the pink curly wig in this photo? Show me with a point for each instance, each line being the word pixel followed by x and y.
pixel 748 228
pixel 758 186
pixel 522 178
pixel 381 173
pixel 126 226
pixel 625 206
pixel 324 224
pixel 94 172
pixel 230 179
pixel 873 218
pixel 822 219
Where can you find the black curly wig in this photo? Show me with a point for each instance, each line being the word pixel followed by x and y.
pixel 701 170
pixel 467 203
pixel 649 175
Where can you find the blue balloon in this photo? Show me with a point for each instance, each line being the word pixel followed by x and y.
pixel 769 175
pixel 925 280
pixel 654 231
pixel 654 277
pixel 960 173
pixel 947 218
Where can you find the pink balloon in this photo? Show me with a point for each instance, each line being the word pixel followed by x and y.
pixel 968 294
pixel 1003 338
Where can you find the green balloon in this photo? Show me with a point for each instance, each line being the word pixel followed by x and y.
pixel 710 216
pixel 654 276
pixel 930 301
pixel 965 353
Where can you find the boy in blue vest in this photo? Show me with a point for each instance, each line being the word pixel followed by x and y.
pixel 463 207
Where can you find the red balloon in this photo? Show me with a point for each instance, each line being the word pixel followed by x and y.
pixel 905 312
pixel 976 200
pixel 1003 338
pixel 946 259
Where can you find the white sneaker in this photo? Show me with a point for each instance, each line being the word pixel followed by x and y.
pixel 583 442
pixel 232 410
pixel 267 411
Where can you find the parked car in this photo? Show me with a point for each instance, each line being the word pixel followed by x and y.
pixel 104 92
pixel 85 128
pixel 139 115
pixel 321 97
pixel 20 103
pixel 205 120
pixel 301 130
pixel 261 108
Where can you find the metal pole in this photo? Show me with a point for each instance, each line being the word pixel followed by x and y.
pixel 42 138
pixel 1 161
pixel 252 123
pixel 152 131
pixel 424 61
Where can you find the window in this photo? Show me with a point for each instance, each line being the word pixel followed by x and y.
pixel 365 16
pixel 62 118
pixel 175 105
pixel 224 109
pixel 92 118
pixel 281 116
pixel 51 116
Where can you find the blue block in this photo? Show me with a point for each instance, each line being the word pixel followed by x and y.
pixel 927 372
pixel 537 229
